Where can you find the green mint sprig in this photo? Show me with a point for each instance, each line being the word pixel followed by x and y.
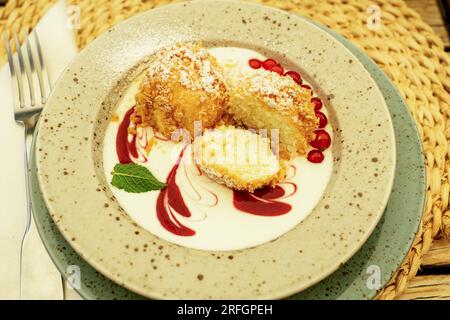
pixel 134 178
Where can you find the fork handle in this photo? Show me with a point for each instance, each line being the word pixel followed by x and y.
pixel 28 137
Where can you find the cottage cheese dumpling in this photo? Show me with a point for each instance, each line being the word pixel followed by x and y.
pixel 267 100
pixel 237 158
pixel 183 85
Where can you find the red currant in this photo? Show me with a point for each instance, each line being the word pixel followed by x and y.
pixel 322 140
pixel 315 156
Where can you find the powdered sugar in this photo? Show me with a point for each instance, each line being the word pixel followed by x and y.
pixel 189 63
pixel 277 91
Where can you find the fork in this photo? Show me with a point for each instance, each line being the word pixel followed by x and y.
pixel 28 76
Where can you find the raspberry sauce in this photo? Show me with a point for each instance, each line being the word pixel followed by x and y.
pixel 263 202
pixel 126 148
pixel 169 200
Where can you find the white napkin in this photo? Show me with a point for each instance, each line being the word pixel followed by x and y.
pixel 41 279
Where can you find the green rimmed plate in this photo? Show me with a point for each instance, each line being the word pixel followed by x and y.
pixel 84 272
pixel 383 252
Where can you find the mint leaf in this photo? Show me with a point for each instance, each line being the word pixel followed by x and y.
pixel 134 178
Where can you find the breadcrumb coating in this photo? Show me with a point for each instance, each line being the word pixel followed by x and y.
pixel 183 85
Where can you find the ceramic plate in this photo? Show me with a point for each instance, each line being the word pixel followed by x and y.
pixel 386 247
pixel 313 240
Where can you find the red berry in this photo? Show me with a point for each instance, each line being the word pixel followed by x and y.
pixel 278 69
pixel 315 156
pixel 323 121
pixel 317 103
pixel 269 64
pixel 305 86
pixel 322 140
pixel 255 63
pixel 295 76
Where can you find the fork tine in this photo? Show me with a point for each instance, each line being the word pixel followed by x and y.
pixel 21 70
pixel 29 68
pixel 43 78
pixel 12 69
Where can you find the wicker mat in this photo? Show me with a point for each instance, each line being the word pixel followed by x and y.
pixel 404 46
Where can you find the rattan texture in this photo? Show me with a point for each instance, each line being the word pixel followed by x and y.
pixel 405 47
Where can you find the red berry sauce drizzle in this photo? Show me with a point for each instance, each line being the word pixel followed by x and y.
pixel 125 148
pixel 322 139
pixel 170 200
pixel 266 201
pixel 262 202
pixel 131 147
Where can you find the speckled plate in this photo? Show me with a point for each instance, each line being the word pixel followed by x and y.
pixel 386 247
pixel 77 195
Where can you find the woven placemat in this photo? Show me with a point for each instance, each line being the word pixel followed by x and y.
pixel 403 46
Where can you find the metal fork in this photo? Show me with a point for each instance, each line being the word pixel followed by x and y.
pixel 28 76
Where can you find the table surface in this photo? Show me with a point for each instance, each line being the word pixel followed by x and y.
pixel 430 13
pixel 433 280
